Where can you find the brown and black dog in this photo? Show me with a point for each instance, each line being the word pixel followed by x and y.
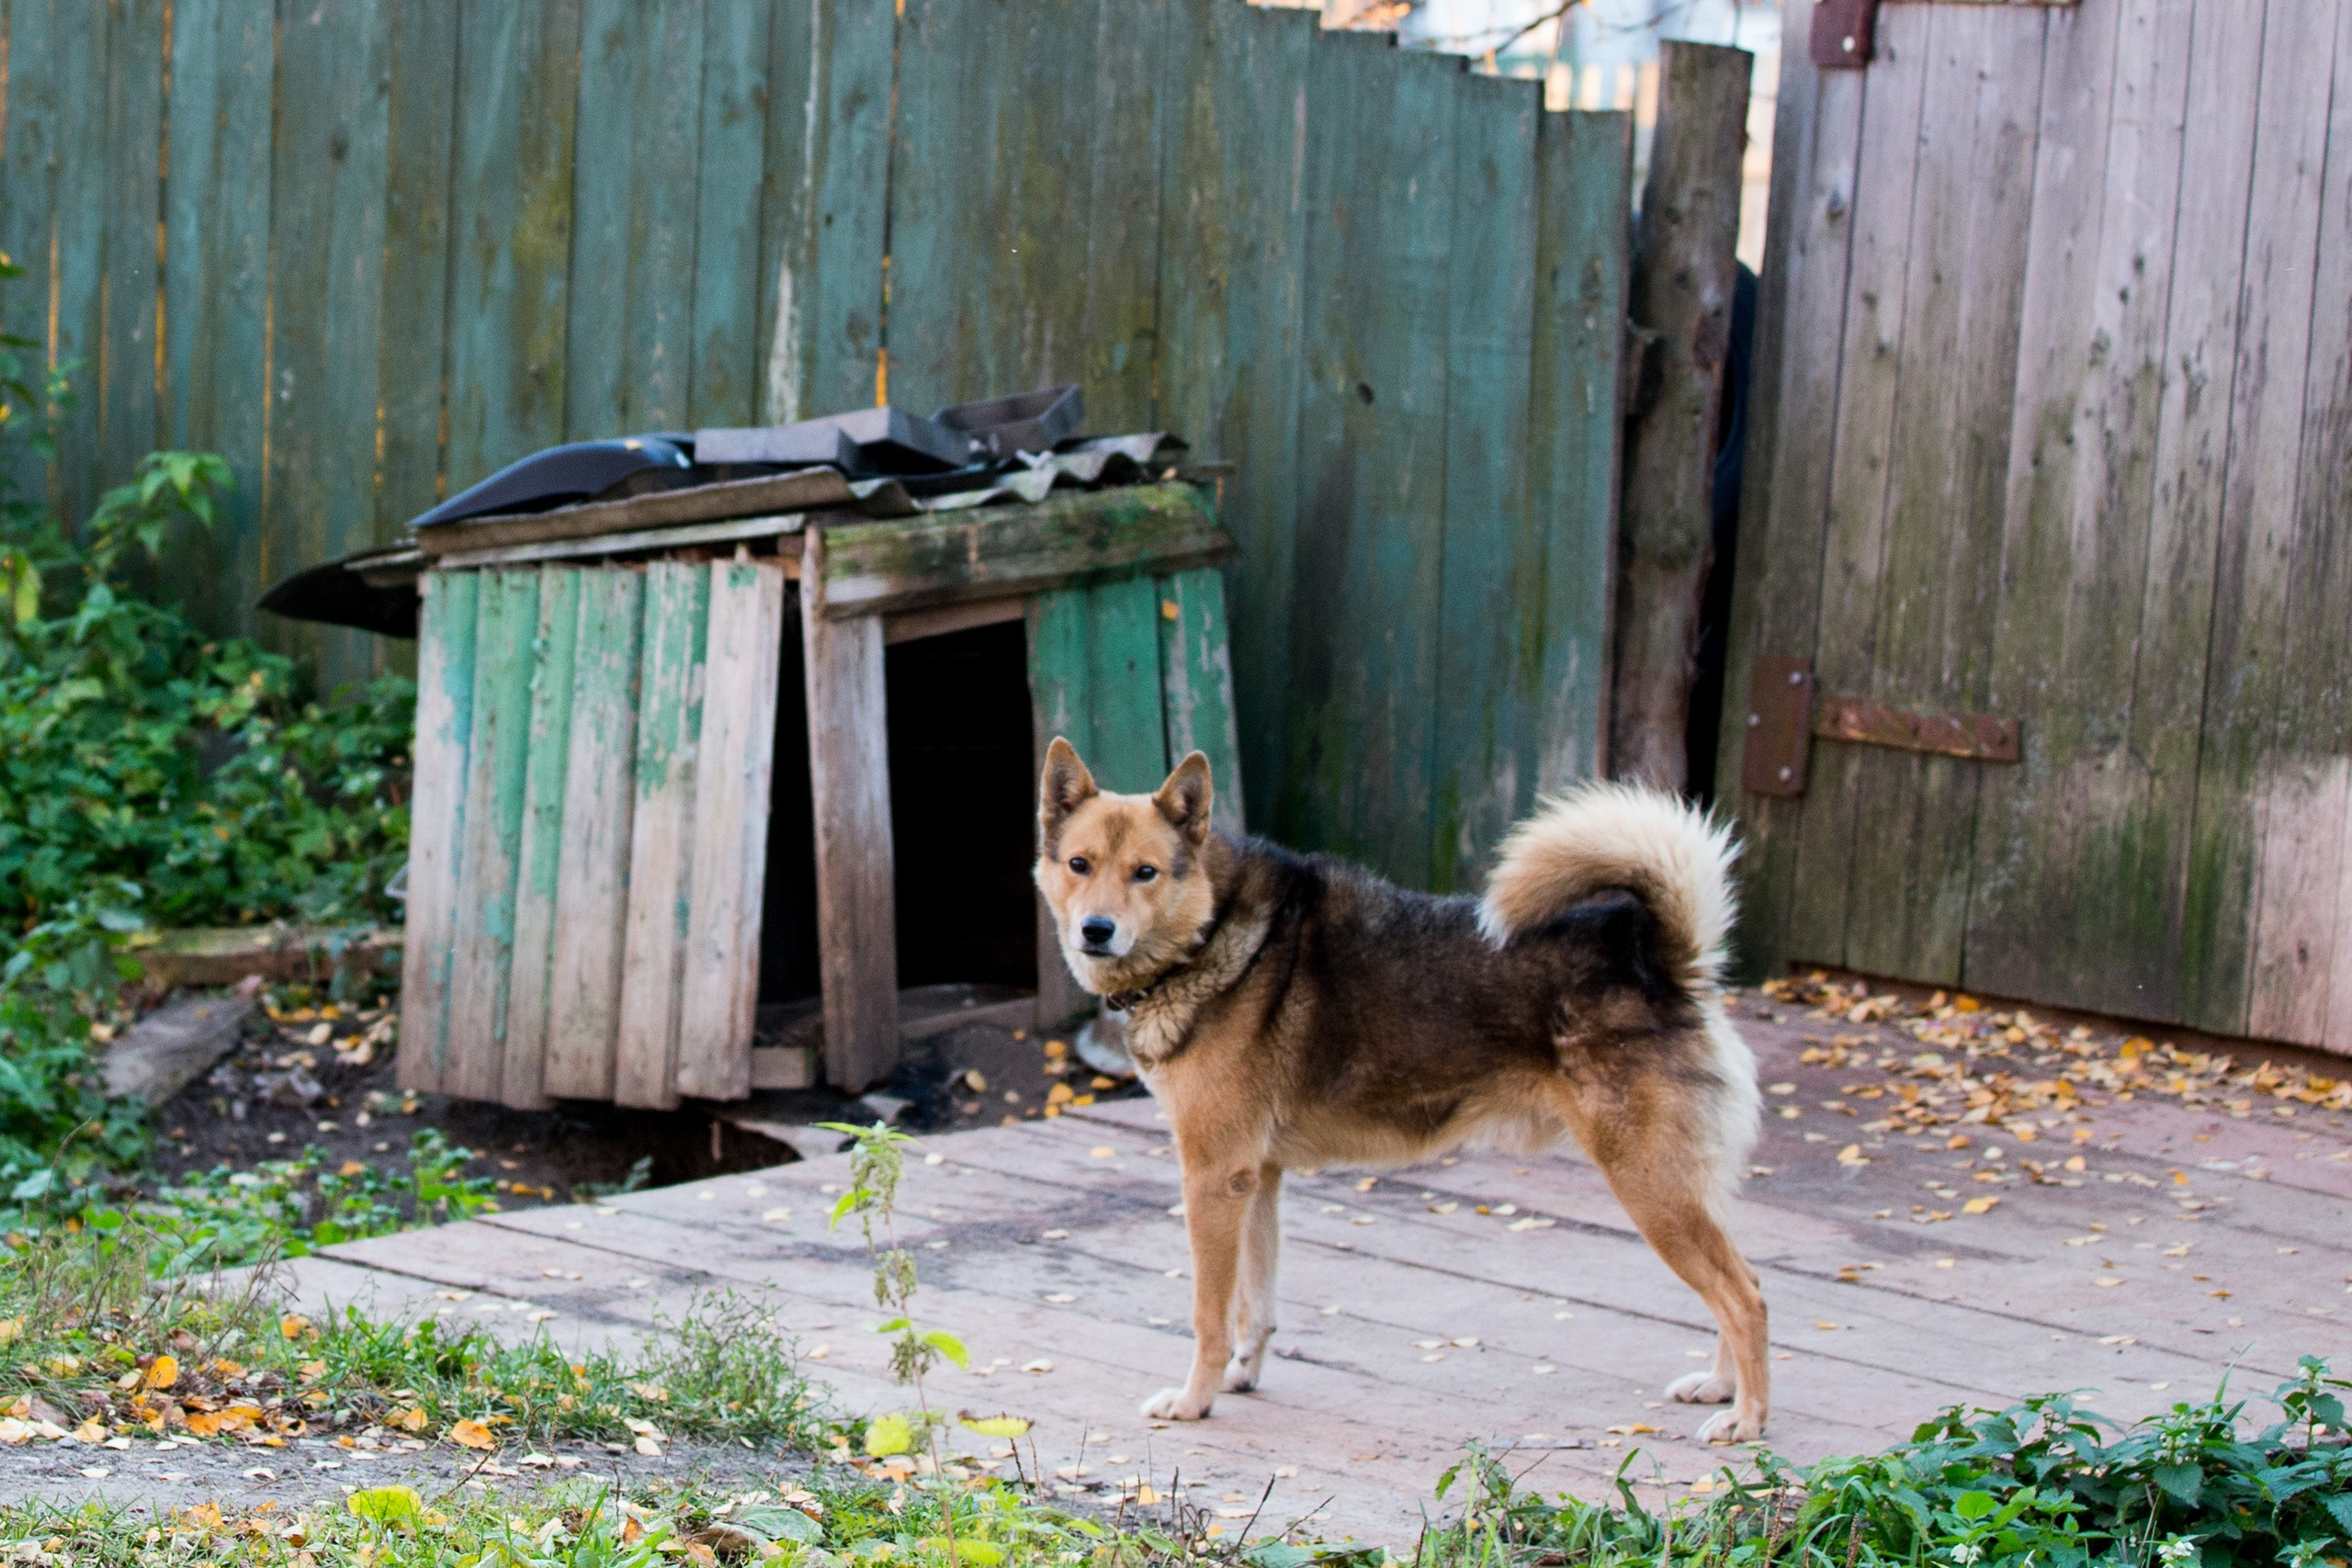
pixel 1293 1011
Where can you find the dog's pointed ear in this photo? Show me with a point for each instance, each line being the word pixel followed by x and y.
pixel 1066 786
pixel 1185 799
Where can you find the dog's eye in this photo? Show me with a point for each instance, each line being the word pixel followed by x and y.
pixel 1078 866
pixel 1146 873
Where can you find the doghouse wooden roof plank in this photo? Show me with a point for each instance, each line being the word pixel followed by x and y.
pixel 1067 538
pixel 778 493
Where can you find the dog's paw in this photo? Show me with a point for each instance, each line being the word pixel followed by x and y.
pixel 1240 1377
pixel 1733 1425
pixel 1700 1388
pixel 1172 1405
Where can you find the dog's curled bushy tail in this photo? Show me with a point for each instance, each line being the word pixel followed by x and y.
pixel 1605 836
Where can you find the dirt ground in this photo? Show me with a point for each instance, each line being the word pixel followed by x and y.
pixel 289 1086
pixel 309 1469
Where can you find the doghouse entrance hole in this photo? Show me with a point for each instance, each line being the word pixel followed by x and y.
pixel 963 807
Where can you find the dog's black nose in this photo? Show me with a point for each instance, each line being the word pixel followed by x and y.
pixel 1097 930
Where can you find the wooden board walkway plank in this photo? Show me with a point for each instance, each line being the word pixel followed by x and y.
pixel 542 922
pixel 599 818
pixel 662 832
pixel 737 748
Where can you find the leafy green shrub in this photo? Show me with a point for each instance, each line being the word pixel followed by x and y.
pixel 149 776
pixel 2040 1483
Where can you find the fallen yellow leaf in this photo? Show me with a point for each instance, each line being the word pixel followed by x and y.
pixel 293 1325
pixel 472 1435
pixel 1631 1427
pixel 1978 1205
pixel 409 1420
pixel 163 1371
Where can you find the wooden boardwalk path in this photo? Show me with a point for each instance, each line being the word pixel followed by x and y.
pixel 1413 1322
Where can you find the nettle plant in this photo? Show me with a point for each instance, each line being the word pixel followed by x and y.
pixel 876 1163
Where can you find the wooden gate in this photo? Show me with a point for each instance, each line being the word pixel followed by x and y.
pixel 371 251
pixel 2053 424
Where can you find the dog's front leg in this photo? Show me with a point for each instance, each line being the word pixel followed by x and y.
pixel 1216 1203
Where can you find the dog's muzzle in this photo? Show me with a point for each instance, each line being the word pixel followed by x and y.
pixel 1095 934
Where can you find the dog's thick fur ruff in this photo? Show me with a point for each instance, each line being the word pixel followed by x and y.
pixel 1297 1012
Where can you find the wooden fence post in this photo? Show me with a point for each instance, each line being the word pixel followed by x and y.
pixel 1684 270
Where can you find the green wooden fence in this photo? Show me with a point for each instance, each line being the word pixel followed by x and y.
pixel 371 251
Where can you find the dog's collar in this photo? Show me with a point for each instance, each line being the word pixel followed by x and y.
pixel 1124 1001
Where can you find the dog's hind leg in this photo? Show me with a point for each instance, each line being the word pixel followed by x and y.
pixel 1665 1193
pixel 1253 1299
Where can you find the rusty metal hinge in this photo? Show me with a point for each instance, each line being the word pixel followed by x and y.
pixel 1786 714
pixel 1844 34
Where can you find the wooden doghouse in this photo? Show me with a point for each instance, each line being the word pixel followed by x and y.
pixel 611 802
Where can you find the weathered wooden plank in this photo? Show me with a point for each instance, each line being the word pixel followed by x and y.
pixel 511 233
pixel 444 704
pixel 1793 410
pixel 1684 271
pixel 1061 704
pixel 497 769
pixel 661 827
pixel 599 809
pixel 120 378
pixel 1025 135
pixel 1491 582
pixel 1948 464
pixel 2248 772
pixel 33 116
pixel 2306 793
pixel 988 552
pixel 2319 653
pixel 1372 459
pixel 422 120
pixel 849 775
pixel 1853 532
pixel 642 541
pixel 2168 689
pixel 330 158
pixel 822 233
pixel 1196 685
pixel 633 217
pixel 721 986
pixel 1125 742
pixel 1232 243
pixel 2066 830
pixel 768 497
pixel 75 246
pixel 216 243
pixel 724 345
pixel 539 912
pixel 1584 204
